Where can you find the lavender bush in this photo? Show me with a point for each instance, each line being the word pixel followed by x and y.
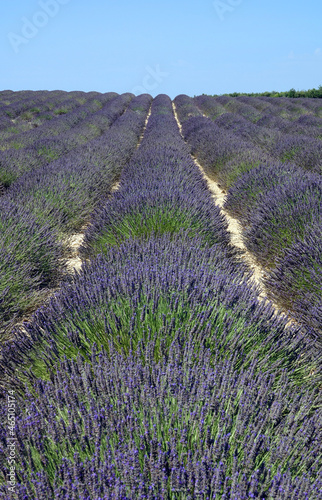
pixel 304 151
pixel 223 155
pixel 296 281
pixel 30 253
pixel 186 107
pixel 182 427
pixel 157 200
pixel 253 186
pixel 282 216
pixel 209 106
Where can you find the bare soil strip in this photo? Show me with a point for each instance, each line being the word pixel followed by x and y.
pixel 145 125
pixel 236 233
pixel 74 262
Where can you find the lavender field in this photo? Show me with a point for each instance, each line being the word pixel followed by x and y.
pixel 147 349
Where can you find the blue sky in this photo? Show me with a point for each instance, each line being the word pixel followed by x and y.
pixel 172 47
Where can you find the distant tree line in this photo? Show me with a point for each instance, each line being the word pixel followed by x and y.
pixel 290 93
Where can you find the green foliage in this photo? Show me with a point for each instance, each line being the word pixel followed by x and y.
pixel 12 130
pixel 45 117
pixel 48 154
pixel 27 115
pixel 152 220
pixel 127 321
pixel 289 155
pixel 229 175
pixel 138 108
pixel 6 177
pixel 26 266
pixel 63 208
pixel 17 145
pixel 61 111
pixel 292 93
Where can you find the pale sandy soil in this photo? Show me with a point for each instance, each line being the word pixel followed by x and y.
pixel 146 122
pixel 233 228
pixel 74 242
pixel 74 263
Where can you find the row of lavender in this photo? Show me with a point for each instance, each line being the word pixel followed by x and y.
pixel 39 103
pixel 30 110
pixel 76 112
pixel 44 206
pixel 55 138
pixel 284 139
pixel 284 112
pixel 278 204
pixel 155 372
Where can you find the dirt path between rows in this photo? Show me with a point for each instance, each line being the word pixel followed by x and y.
pixel 235 231
pixel 74 262
pixel 145 125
